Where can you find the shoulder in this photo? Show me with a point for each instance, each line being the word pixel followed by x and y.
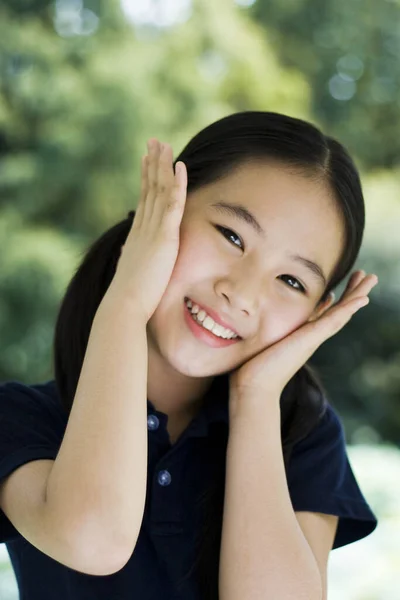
pixel 25 407
pixel 322 450
pixel 37 392
pixel 327 432
pixel 321 480
pixel 32 425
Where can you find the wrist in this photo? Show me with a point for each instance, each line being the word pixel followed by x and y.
pixel 248 402
pixel 115 302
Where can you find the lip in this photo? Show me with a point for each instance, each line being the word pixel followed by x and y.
pixel 215 316
pixel 204 334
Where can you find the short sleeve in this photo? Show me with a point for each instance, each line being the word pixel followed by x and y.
pixel 320 479
pixel 32 425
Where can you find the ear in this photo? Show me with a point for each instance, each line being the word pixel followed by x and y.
pixel 322 307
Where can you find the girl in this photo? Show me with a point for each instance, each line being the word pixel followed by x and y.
pixel 185 450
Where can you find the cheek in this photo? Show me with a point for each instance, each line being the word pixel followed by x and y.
pixel 196 259
pixel 281 322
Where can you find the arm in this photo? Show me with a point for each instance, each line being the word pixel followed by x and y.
pixel 97 486
pixel 264 553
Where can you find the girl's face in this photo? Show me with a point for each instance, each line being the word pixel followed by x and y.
pixel 251 278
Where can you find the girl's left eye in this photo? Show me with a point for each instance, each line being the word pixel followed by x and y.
pixel 228 233
pixel 300 288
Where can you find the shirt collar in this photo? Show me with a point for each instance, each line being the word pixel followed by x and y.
pixel 214 408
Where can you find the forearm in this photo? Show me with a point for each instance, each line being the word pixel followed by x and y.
pixel 97 486
pixel 264 553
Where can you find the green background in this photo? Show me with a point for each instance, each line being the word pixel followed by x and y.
pixel 85 83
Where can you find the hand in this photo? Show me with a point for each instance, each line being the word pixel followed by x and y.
pixel 269 371
pixel 151 247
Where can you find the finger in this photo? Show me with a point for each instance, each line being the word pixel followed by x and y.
pixel 152 168
pixel 165 183
pixel 179 191
pixel 362 288
pixel 144 187
pixel 354 280
pixel 176 203
pixel 181 180
pixel 143 192
pixel 165 169
pixel 159 187
pixel 165 173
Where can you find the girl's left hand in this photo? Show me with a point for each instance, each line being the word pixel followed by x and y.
pixel 270 370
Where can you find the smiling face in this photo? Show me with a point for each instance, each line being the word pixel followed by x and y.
pixel 248 277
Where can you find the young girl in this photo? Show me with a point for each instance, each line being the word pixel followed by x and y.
pixel 185 450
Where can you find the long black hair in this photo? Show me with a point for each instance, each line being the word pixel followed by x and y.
pixel 210 155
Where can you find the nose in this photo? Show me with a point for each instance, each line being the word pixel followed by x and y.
pixel 243 298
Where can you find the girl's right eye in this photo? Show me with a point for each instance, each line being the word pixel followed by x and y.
pixel 227 233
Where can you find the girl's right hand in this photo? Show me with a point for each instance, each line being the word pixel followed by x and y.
pixel 151 248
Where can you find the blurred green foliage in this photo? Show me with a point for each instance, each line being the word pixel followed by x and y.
pixel 349 52
pixel 81 90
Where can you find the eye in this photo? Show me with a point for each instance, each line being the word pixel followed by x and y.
pixel 300 289
pixel 227 233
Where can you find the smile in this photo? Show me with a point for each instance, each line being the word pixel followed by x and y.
pixel 202 333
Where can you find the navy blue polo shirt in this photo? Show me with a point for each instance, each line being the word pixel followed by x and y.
pixel 32 425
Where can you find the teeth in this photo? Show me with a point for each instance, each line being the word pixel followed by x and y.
pixel 201 315
pixel 207 322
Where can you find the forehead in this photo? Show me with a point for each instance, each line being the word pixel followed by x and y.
pixel 297 212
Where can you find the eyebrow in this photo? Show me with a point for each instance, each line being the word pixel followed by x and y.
pixel 241 213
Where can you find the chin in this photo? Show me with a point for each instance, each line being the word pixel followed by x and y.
pixel 193 367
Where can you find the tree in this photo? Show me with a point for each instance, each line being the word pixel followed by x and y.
pixel 349 54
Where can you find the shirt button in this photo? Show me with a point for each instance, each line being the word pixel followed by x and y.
pixel 164 478
pixel 152 422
